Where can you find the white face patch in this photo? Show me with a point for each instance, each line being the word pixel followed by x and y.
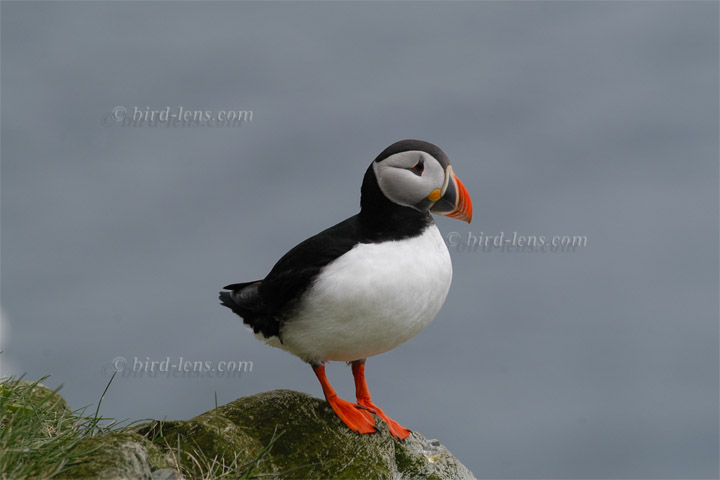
pixel 405 186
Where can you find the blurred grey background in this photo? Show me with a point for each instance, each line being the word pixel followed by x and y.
pixel 561 118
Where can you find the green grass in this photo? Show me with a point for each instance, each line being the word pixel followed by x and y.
pixel 41 437
pixel 38 431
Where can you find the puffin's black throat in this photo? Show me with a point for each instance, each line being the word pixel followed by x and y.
pixel 385 219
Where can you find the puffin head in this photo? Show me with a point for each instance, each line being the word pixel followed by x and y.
pixel 418 175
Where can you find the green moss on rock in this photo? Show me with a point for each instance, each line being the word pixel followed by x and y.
pixel 116 455
pixel 20 394
pixel 208 436
pixel 283 434
pixel 316 444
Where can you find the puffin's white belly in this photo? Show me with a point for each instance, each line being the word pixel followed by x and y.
pixel 371 299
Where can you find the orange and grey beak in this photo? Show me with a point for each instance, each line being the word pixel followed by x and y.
pixel 455 200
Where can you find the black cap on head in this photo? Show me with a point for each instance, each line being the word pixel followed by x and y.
pixel 408 145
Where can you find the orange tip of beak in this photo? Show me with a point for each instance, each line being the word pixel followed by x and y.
pixel 463 207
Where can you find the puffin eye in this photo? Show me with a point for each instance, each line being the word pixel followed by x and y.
pixel 419 168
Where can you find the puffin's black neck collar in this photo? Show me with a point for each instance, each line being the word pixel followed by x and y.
pixel 384 219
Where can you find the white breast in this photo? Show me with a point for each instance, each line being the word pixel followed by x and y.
pixel 371 299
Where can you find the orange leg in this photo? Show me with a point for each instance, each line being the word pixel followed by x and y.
pixel 363 398
pixel 356 418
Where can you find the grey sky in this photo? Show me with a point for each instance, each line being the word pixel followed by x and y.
pixel 561 118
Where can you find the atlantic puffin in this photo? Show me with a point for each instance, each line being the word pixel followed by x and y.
pixel 367 284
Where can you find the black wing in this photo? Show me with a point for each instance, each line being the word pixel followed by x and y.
pixel 263 304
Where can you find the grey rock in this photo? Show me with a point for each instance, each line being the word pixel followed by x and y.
pixel 167 474
pixel 440 462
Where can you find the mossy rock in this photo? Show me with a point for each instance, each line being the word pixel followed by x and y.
pixel 118 454
pixel 316 444
pixel 277 434
pixel 208 436
pixel 20 394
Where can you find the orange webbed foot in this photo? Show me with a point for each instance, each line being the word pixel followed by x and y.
pixel 356 418
pixel 363 398
pixel 396 430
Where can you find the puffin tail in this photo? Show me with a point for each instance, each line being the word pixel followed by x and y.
pixel 226 300
pixel 245 301
pixel 242 298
